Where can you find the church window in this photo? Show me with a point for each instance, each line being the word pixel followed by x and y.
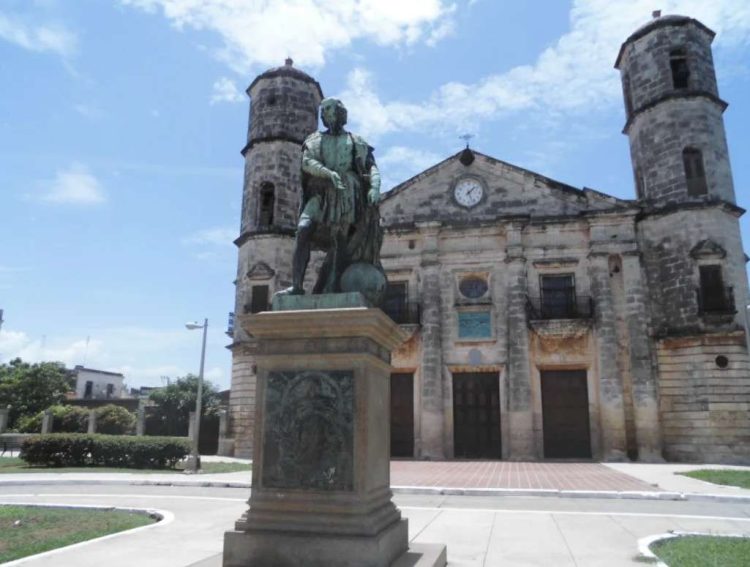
pixel 558 296
pixel 473 287
pixel 259 299
pixel 680 71
pixel 713 296
pixel 627 93
pixel 395 304
pixel 695 174
pixel 640 183
pixel 267 200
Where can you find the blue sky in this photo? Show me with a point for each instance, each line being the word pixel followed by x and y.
pixel 121 123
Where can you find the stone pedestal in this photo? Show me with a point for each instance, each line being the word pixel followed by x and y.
pixel 92 422
pixel 140 423
pixel 321 473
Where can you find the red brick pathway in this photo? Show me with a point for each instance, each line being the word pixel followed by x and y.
pixel 506 474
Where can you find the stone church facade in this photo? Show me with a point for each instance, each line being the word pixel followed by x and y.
pixel 544 321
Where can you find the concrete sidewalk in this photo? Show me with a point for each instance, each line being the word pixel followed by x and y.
pixel 477 478
pixel 479 531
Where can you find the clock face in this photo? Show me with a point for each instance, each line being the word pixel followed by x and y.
pixel 468 192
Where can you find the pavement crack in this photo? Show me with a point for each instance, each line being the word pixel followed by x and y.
pixel 565 540
pixel 489 541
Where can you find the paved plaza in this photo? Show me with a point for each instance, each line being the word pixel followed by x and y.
pixel 596 518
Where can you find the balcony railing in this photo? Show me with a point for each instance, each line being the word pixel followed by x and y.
pixel 406 313
pixel 716 301
pixel 560 306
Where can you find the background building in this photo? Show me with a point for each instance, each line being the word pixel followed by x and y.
pixel 98 384
pixel 545 321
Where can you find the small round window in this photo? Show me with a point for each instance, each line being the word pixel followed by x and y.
pixel 473 287
pixel 722 361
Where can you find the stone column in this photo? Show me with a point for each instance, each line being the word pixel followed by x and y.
pixel 520 408
pixel 4 417
pixel 92 421
pixel 431 413
pixel 191 427
pixel 140 424
pixel 47 420
pixel 612 410
pixel 645 401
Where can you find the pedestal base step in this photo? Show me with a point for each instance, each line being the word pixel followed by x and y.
pixel 423 555
pixel 260 548
pixel 419 555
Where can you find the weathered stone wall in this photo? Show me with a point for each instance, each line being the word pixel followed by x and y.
pixel 666 241
pixel 276 162
pixel 284 105
pixel 705 408
pixel 660 134
pixel 646 60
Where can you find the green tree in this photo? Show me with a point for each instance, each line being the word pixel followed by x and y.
pixel 114 420
pixel 65 419
pixel 173 404
pixel 31 388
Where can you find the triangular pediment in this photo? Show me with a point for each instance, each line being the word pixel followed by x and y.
pixel 506 190
pixel 260 271
pixel 708 249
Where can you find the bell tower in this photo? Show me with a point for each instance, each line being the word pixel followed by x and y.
pixel 689 238
pixel 283 112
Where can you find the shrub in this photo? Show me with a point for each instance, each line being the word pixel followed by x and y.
pixel 66 419
pixel 64 450
pixel 114 420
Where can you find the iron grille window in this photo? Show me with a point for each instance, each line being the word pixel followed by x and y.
pixel 395 302
pixel 695 174
pixel 558 297
pixel 89 391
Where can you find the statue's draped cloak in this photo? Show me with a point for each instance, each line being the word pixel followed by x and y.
pixel 346 213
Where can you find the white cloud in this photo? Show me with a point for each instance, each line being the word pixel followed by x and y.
pixel 398 163
pixel 224 90
pixel 264 32
pixel 90 111
pixel 217 236
pixel 143 355
pixel 75 185
pixel 574 75
pixel 39 37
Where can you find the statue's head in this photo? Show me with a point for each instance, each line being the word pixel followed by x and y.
pixel 333 113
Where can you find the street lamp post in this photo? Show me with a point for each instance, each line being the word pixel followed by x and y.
pixel 194 463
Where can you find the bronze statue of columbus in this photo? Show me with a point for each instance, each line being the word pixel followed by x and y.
pixel 339 210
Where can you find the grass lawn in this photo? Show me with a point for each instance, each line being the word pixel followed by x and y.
pixel 722 476
pixel 27 530
pixel 704 551
pixel 16 465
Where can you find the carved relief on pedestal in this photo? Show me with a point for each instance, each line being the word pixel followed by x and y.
pixel 309 430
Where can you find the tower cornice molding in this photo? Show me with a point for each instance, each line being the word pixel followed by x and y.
pixel 670 96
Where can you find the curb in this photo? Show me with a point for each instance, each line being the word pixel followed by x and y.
pixel 418 490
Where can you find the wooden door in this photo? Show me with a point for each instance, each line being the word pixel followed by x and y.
pixel 565 414
pixel 476 415
pixel 402 415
